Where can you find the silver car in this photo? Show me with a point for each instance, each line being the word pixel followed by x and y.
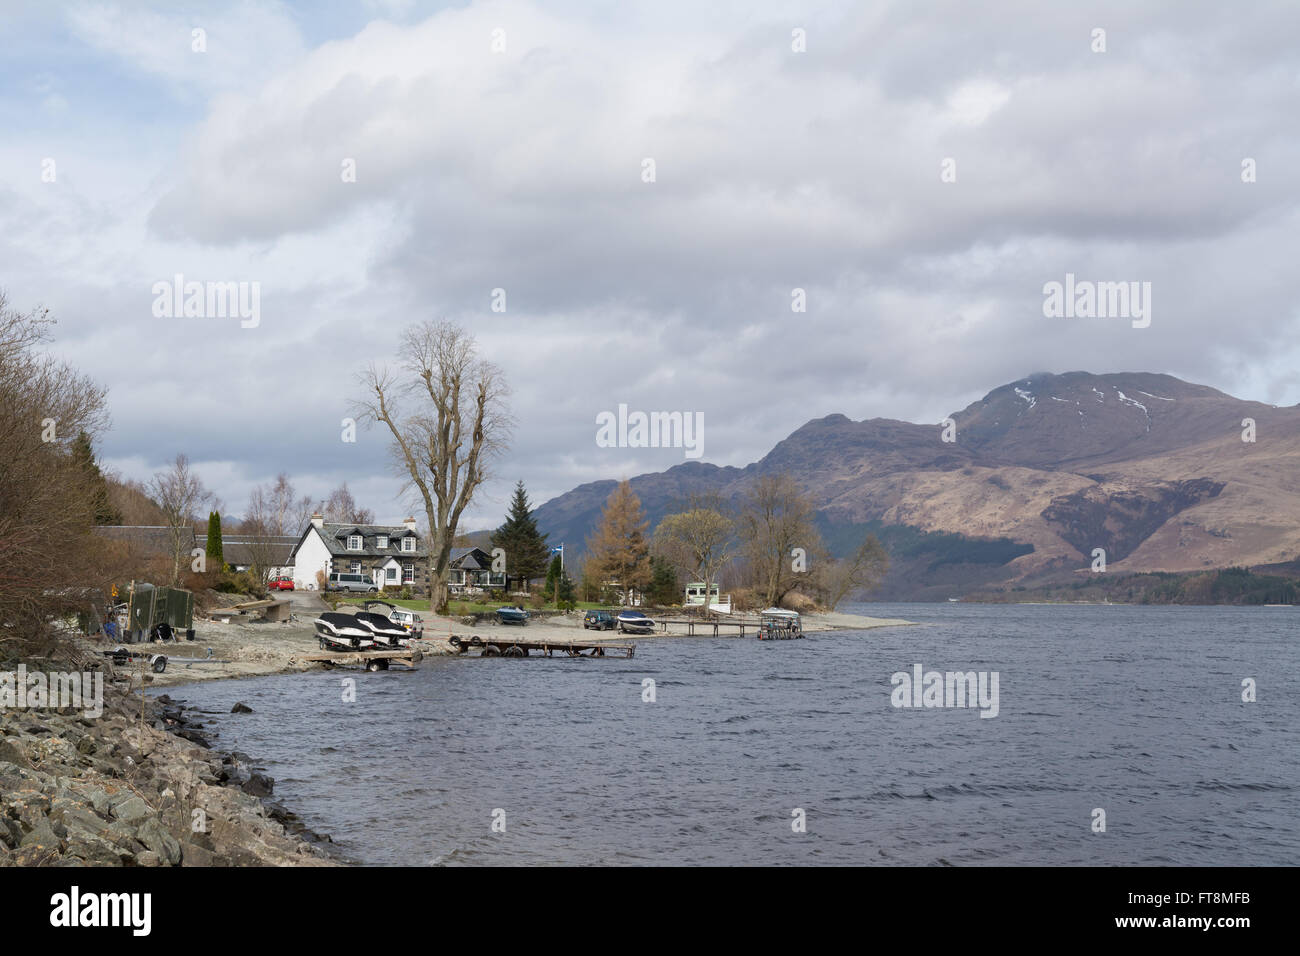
pixel 343 581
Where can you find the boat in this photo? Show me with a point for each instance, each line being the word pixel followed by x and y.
pixel 778 624
pixel 634 622
pixel 512 615
pixel 384 631
pixel 343 632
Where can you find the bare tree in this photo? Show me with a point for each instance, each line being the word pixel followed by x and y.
pixel 700 541
pixel 446 410
pixel 288 511
pixel 861 572
pixel 179 492
pixel 258 528
pixel 48 554
pixel 342 508
pixel 776 525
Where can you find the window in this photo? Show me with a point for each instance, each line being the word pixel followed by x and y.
pixel 390 574
pixel 408 544
pixel 408 574
pixel 354 542
pixel 356 567
pixel 383 541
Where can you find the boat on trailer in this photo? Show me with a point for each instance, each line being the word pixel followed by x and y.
pixel 384 631
pixel 343 632
pixel 634 622
pixel 512 615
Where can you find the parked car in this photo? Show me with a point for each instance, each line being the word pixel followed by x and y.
pixel 343 581
pixel 599 621
pixel 413 623
pixel 280 584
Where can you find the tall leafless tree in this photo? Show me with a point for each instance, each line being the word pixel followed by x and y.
pixel 179 493
pixel 446 411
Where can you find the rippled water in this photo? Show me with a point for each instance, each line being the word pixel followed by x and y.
pixel 1134 710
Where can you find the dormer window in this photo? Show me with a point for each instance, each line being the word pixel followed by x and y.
pixel 383 541
pixel 354 542
pixel 408 544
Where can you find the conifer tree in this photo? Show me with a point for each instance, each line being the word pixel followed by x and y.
pixel 83 453
pixel 618 550
pixel 525 547
pixel 215 554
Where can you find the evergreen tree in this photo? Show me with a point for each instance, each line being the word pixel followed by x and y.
pixel 619 552
pixel 664 587
pixel 568 600
pixel 215 555
pixel 525 547
pixel 83 454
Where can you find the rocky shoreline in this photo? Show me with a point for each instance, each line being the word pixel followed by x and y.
pixel 115 791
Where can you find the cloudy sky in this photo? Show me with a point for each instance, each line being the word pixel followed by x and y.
pixel 523 169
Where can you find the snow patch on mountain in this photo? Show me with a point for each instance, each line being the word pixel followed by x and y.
pixel 1124 399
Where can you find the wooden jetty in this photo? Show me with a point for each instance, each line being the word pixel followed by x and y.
pixel 691 625
pixel 518 646
pixel 372 660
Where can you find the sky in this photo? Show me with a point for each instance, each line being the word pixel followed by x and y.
pixel 918 171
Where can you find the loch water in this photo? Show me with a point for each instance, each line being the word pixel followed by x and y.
pixel 1135 711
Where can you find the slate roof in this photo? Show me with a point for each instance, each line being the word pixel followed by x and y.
pixel 335 537
pixel 239 548
pixel 153 538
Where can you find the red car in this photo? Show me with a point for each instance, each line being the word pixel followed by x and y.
pixel 280 584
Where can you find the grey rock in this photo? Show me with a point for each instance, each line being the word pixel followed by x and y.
pixel 259 784
pixel 153 835
pixel 131 810
pixel 12 752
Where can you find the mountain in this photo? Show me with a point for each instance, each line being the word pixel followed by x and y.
pixel 1040 472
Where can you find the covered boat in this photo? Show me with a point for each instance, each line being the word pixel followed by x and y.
pixel 512 615
pixel 634 622
pixel 384 631
pixel 343 632
pixel 778 624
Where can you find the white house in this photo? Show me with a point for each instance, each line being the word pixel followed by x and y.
pixel 393 556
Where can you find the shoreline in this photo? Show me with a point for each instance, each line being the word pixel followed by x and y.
pixel 264 649
pixel 116 790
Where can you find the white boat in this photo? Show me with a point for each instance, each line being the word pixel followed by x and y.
pixel 343 632
pixel 384 631
pixel 634 622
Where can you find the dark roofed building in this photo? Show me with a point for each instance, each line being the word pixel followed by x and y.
pixel 150 540
pixel 241 551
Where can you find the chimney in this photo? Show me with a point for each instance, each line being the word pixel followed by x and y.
pixel 318 520
pixel 410 524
